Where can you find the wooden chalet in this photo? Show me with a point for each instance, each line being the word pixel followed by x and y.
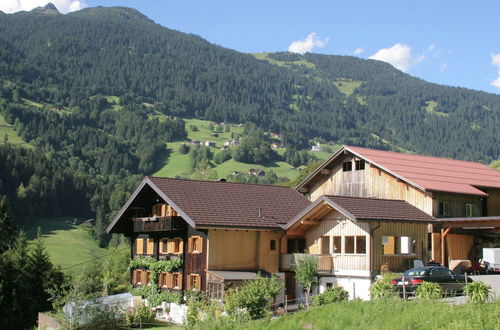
pixel 224 232
pixel 463 196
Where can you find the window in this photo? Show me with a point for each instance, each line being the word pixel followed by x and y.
pixel 408 245
pixel 444 209
pixel 361 244
pixel 171 246
pixel 389 245
pixel 329 285
pixel 195 244
pixel 137 277
pixel 176 281
pixel 194 282
pixel 347 166
pixel 325 244
pixel 349 244
pixel 139 246
pixel 296 245
pixel 337 244
pixel 164 246
pixel 272 245
pixel 469 210
pixel 360 164
pixel 159 210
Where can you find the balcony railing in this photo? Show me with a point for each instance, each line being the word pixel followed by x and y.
pixel 289 260
pixel 157 224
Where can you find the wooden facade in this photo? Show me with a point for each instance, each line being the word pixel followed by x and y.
pixel 368 182
pixel 250 250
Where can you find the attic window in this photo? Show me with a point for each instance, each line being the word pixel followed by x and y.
pixel 360 164
pixel 444 209
pixel 469 210
pixel 347 166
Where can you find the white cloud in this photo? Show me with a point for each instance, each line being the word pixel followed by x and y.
pixel 64 6
pixel 443 67
pixel 307 45
pixel 495 60
pixel 358 51
pixel 496 82
pixel 399 56
pixel 431 47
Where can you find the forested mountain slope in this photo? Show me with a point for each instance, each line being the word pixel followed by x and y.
pixel 86 90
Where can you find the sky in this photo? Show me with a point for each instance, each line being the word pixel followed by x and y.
pixel 455 43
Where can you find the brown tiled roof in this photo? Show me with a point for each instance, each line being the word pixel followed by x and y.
pixel 380 209
pixel 215 203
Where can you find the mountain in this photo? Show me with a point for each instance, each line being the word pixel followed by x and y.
pixel 118 51
pixel 98 93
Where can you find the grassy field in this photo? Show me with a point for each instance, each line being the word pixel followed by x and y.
pixel 68 245
pixel 347 87
pixel 388 315
pixel 177 164
pixel 12 136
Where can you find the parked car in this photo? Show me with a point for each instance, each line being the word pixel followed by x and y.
pixel 448 280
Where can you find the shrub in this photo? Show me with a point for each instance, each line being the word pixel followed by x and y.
pixel 253 297
pixel 478 292
pixel 428 291
pixel 383 289
pixel 184 149
pixel 330 296
pixel 142 316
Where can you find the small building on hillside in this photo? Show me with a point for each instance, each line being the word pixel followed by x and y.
pixel 210 144
pixel 256 172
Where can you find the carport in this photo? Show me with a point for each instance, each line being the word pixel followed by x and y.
pixel 462 239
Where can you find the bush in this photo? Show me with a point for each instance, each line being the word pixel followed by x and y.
pixel 478 292
pixel 142 316
pixel 184 149
pixel 383 289
pixel 253 298
pixel 330 296
pixel 428 291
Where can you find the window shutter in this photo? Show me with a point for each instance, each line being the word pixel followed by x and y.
pixel 147 277
pixel 200 245
pixel 139 246
pixel 181 246
pixel 169 280
pixel 150 246
pixel 179 280
pixel 136 277
pixel 190 245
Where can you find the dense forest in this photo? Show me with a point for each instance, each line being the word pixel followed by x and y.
pixel 83 90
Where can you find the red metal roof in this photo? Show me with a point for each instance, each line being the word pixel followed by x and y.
pixel 433 173
pixel 215 203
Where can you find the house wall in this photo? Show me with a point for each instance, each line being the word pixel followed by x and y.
pixel 196 263
pixel 417 231
pixel 457 204
pixel 493 202
pixel 243 250
pixel 370 182
pixel 336 224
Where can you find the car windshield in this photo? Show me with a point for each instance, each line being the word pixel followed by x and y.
pixel 415 272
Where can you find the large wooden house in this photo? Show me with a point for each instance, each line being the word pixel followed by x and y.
pixel 463 196
pixel 224 232
pixel 361 211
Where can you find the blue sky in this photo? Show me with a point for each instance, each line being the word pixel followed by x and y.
pixel 454 43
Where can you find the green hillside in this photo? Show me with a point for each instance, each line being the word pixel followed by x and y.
pixel 68 245
pixel 106 96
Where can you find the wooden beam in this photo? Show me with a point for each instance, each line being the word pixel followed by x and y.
pixel 326 171
pixel 294 233
pixel 471 224
pixel 444 232
pixel 309 222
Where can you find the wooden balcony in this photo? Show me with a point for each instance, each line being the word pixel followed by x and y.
pixel 289 260
pixel 158 224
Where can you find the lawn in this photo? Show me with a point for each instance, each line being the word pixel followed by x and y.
pixel 68 245
pixel 388 315
pixel 13 138
pixel 281 169
pixel 176 164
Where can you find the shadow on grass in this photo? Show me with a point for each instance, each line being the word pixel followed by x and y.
pixel 47 225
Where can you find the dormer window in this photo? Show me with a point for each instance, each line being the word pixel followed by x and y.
pixel 360 164
pixel 347 166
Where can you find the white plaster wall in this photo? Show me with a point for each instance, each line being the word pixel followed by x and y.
pixel 358 287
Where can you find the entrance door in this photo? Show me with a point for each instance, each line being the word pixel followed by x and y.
pixel 290 286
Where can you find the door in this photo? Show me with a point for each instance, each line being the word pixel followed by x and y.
pixel 290 286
